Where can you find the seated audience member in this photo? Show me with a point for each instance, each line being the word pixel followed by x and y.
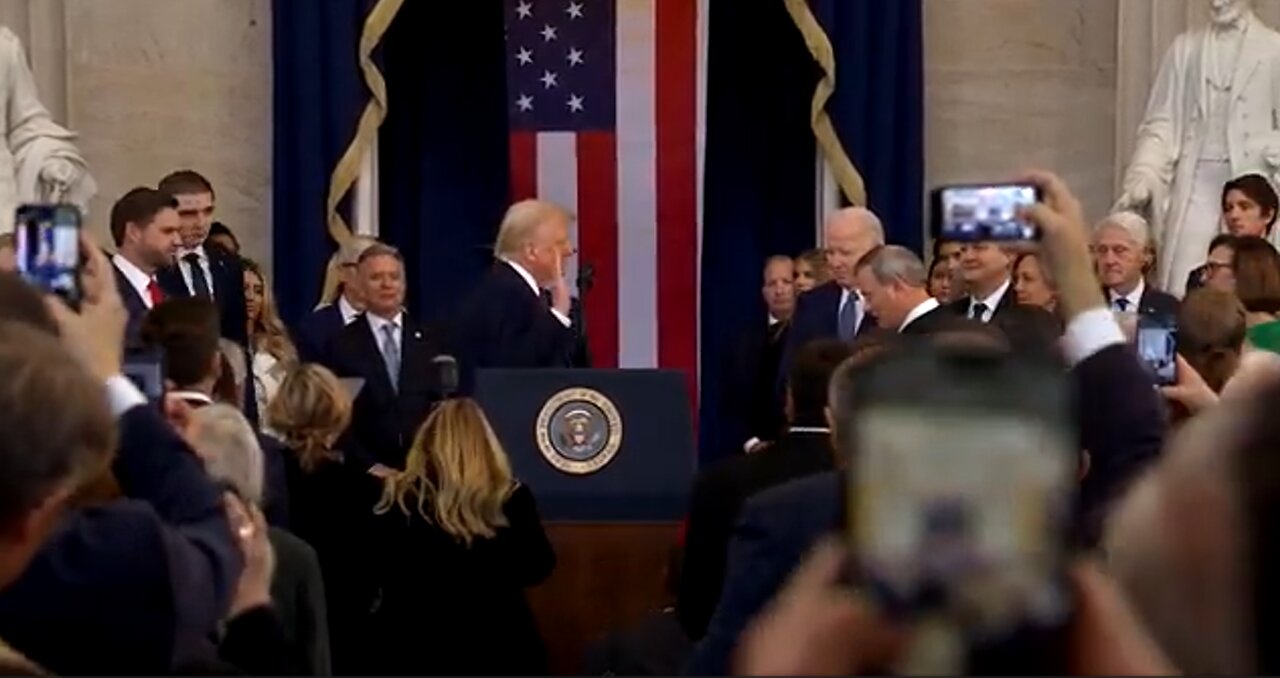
pixel 1032 284
pixel 751 409
pixel 656 646
pixel 1249 206
pixel 144 226
pixel 134 585
pixel 1218 270
pixel 811 270
pixel 1123 253
pixel 1211 334
pixel 940 279
pixel 185 331
pixel 985 269
pixel 1257 274
pixel 8 254
pixel 331 507
pixel 1119 423
pixel 227 444
pixel 221 237
pixel 892 280
pixel 343 301
pixel 720 491
pixel 457 513
pixel 271 351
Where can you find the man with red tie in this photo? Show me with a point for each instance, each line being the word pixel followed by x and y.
pixel 145 227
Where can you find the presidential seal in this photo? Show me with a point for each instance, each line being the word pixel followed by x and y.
pixel 579 431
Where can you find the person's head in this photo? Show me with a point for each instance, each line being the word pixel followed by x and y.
pixel 221 237
pixel 8 254
pixel 1211 332
pixel 811 270
pixel 58 434
pixel 1249 206
pixel 535 234
pixel 457 475
pixel 779 287
pixel 21 302
pixel 849 234
pixel 340 275
pixel 809 377
pixel 1219 267
pixel 1031 331
pixel 864 352
pixel 195 198
pixel 1122 251
pixel 984 267
pixel 940 279
pixel 892 279
pixel 1032 282
pixel 1227 12
pixel 381 274
pixel 186 330
pixel 146 228
pixel 228 446
pixel 1257 273
pixel 309 411
pixel 949 251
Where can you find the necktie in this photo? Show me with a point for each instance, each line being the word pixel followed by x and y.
pixel 153 291
pixel 848 322
pixel 391 354
pixel 199 283
pixel 979 312
pixel 1122 304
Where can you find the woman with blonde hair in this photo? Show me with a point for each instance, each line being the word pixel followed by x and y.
pixel 272 353
pixel 464 541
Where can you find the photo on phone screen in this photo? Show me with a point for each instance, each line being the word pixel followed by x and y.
pixel 47 242
pixel 1157 343
pixel 983 212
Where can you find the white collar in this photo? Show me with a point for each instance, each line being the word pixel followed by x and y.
pixel 348 311
pixel 992 301
pixel 921 308
pixel 1134 297
pixel 377 322
pixel 195 396
pixel 773 321
pixel 197 250
pixel 808 429
pixel 847 294
pixel 528 277
pixel 136 276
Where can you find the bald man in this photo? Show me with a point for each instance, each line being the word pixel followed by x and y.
pixel 508 320
pixel 836 309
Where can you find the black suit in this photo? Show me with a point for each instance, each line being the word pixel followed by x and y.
pixel 750 404
pixel 715 502
pixel 939 319
pixel 1155 302
pixel 1007 301
pixel 316 330
pixel 817 316
pixel 505 323
pixel 384 419
pixel 228 291
pixel 134 304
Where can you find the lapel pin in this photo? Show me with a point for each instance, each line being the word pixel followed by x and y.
pixel 417 334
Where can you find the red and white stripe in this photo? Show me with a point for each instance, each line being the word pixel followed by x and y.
pixel 636 191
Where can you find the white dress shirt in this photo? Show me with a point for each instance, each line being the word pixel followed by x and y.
pixel 990 302
pixel 185 268
pixel 1132 300
pixel 139 280
pixel 537 291
pixel 192 397
pixel 268 374
pixel 922 308
pixel 349 312
pixel 376 324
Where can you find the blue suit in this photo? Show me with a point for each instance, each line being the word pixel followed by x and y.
pixel 136 307
pixel 817 316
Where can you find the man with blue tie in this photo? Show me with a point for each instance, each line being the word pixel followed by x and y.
pixel 1123 254
pixel 836 309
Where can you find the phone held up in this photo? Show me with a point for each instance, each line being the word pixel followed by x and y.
pixel 982 212
pixel 961 528
pixel 47 240
pixel 1156 340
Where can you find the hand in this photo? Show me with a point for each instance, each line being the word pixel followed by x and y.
pixel 756 445
pixel 1106 637
pixel 1065 239
pixel 1257 371
pixel 250 530
pixel 1136 195
pixel 561 300
pixel 182 418
pixel 1190 391
pixel 817 627
pixel 58 174
pixel 96 334
pixel 382 471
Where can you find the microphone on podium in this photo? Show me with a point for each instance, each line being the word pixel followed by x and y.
pixel 444 367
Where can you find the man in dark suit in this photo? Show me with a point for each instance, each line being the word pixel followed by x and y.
pixel 319 327
pixel 145 227
pixel 835 309
pixel 199 271
pixel 719 492
pixel 506 321
pixel 393 355
pixel 752 412
pixel 1123 254
pixel 894 282
pixel 985 269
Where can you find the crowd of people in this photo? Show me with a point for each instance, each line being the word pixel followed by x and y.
pixel 320 498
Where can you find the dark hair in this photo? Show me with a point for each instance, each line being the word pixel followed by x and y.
pixel 21 302
pixel 1258 189
pixel 186 330
pixel 219 228
pixel 1257 268
pixel 1211 333
pixel 809 376
pixel 186 182
pixel 1030 330
pixel 139 207
pixel 1220 240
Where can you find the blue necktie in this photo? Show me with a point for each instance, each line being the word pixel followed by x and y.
pixel 848 323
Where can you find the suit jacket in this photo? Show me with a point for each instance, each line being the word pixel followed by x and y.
pixel 1156 302
pixel 135 305
pixel 504 323
pixel 817 316
pixel 228 291
pixel 750 405
pixel 385 419
pixel 1120 423
pixel 715 502
pixel 297 593
pixel 961 306
pixel 939 319
pixel 316 330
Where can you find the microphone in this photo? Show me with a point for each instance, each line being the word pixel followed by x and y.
pixel 445 369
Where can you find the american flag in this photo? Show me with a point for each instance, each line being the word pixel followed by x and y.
pixel 604 101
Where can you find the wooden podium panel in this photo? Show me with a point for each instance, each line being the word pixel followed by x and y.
pixel 607 577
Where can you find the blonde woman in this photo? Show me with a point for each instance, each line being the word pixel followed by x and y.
pixel 271 351
pixel 464 541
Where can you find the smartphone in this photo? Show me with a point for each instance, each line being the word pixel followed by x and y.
pixel 145 368
pixel 961 492
pixel 1156 339
pixel 978 212
pixel 47 241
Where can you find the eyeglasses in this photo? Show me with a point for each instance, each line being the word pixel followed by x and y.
pixel 1211 267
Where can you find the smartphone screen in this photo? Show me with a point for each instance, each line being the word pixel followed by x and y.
pixel 983 212
pixel 47 241
pixel 145 368
pixel 1157 343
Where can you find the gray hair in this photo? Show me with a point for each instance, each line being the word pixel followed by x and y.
pixel 1133 225
pixel 349 253
pixel 862 217
pixel 890 263
pixel 379 249
pixel 230 450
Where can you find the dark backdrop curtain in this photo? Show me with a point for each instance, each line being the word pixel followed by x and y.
pixel 759 196
pixel 878 104
pixel 318 93
pixel 443 147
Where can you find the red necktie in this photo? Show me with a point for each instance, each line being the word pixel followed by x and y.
pixel 154 290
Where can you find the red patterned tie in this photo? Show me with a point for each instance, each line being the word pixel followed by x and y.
pixel 154 290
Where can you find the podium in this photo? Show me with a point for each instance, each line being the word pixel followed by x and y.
pixel 609 455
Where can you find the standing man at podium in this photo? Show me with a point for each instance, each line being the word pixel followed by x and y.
pixel 519 315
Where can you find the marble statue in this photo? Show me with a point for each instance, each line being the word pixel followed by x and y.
pixel 38 161
pixel 1213 114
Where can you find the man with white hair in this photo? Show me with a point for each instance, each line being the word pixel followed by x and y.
pixel 319 327
pixel 1123 254
pixel 894 283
